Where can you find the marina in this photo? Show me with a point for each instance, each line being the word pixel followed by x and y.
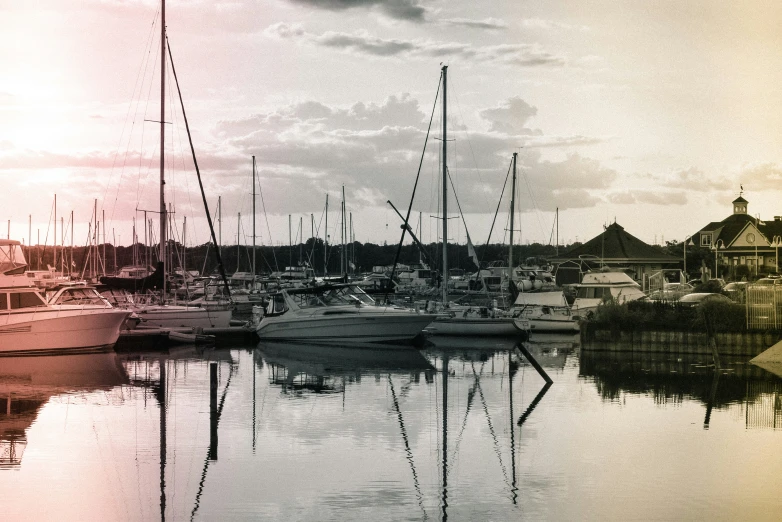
pixel 390 260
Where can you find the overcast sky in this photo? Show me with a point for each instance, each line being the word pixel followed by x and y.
pixel 648 113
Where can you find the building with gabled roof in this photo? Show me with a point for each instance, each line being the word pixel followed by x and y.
pixel 743 240
pixel 614 248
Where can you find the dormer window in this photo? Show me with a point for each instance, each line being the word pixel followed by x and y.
pixel 705 239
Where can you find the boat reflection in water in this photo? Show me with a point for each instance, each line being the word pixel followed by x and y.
pixel 28 383
pixel 324 369
pixel 468 386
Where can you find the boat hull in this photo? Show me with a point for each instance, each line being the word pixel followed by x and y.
pixel 476 326
pixel 58 331
pixel 348 328
pixel 551 325
pixel 182 316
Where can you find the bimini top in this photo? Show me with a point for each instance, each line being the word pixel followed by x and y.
pixel 12 259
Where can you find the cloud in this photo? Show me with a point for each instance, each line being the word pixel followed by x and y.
pixel 548 25
pixel 516 55
pixel 562 141
pixel 648 197
pixel 510 117
pixel 486 23
pixel 408 10
pixel 761 176
pixel 691 178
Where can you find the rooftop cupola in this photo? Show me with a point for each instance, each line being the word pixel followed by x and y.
pixel 740 205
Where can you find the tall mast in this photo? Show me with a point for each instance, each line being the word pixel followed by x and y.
pixel 55 232
pixel 184 247
pixel 512 211
pixel 238 240
pixel 162 256
pixel 557 250
pixel 445 189
pixel 342 259
pixel 326 241
pixel 253 219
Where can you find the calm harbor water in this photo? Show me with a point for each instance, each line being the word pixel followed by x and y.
pixel 464 430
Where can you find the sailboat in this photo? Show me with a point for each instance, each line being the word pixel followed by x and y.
pixel 166 315
pixel 456 320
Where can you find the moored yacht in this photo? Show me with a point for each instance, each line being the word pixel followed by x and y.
pixel 340 313
pixel 30 325
pixel 600 286
pixel 545 312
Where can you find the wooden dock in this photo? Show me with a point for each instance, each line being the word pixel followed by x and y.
pixel 151 339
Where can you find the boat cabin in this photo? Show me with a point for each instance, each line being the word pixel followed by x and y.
pixel 18 298
pixel 12 261
pixel 317 297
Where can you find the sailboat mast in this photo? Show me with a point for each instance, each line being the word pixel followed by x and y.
pixel 445 188
pixel 253 220
pixel 326 241
pixel 55 232
pixel 162 256
pixel 512 212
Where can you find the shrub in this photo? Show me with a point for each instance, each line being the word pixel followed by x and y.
pixel 711 316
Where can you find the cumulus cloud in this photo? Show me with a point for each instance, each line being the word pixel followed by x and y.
pixel 517 55
pixel 408 10
pixel 511 117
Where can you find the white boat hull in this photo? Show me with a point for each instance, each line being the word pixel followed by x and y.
pixel 56 331
pixel 476 326
pixel 542 324
pixel 183 316
pixel 350 327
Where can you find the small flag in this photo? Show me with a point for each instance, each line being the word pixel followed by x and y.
pixel 471 252
pixel 352 266
pixel 73 264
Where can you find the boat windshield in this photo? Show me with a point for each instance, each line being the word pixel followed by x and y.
pixel 80 296
pixel 333 296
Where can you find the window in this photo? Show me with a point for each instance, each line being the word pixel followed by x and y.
pixel 3 301
pixel 705 239
pixel 25 300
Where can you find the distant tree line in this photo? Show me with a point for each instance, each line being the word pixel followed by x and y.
pixel 363 256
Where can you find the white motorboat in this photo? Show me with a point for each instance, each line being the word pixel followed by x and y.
pixel 341 313
pixel 545 312
pixel 598 287
pixel 31 325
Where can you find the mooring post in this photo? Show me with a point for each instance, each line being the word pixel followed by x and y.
pixel 534 363
pixel 213 411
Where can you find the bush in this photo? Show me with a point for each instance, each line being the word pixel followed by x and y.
pixel 671 316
